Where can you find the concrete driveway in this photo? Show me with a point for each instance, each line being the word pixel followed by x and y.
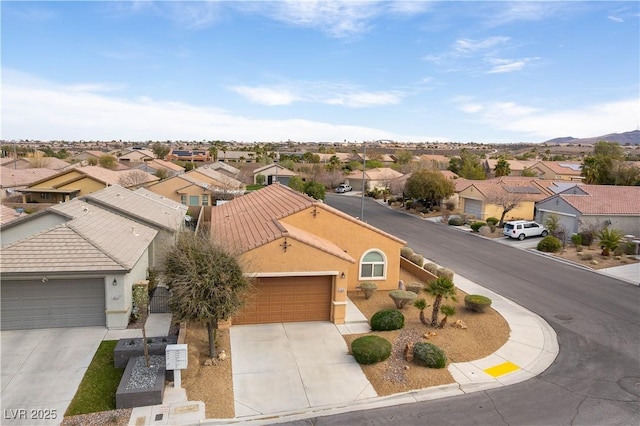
pixel 293 366
pixel 41 371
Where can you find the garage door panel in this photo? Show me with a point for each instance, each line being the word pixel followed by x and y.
pixel 473 207
pixel 288 299
pixel 54 303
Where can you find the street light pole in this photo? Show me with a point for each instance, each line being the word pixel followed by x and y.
pixel 364 168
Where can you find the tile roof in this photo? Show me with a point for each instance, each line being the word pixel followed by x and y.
pixel 253 220
pixel 605 199
pixel 376 174
pixel 7 214
pixel 215 175
pixel 219 165
pixel 10 178
pixel 281 170
pixel 529 189
pixel 165 165
pixel 153 210
pixel 94 240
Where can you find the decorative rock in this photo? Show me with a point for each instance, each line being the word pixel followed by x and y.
pixel 208 362
pixel 222 355
pixel 594 262
pixel 406 367
pixel 408 352
pixel 459 324
pixel 401 285
pixel 430 334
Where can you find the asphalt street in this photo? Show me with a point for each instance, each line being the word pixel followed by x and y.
pixel 594 380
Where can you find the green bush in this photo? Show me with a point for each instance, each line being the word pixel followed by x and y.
pixel 493 220
pixel 431 267
pixel 576 239
pixel 402 297
pixel 417 258
pixel 368 289
pixel 587 256
pixel 587 237
pixel 429 355
pixel 370 349
pixel 386 320
pixel 414 287
pixel 476 302
pixel 455 221
pixel 477 225
pixel 406 252
pixel 549 244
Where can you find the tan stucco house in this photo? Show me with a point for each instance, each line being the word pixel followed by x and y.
pixel 304 254
pixel 200 187
pixel 557 170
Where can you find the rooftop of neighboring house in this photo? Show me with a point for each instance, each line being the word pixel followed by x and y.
pixel 604 199
pixel 157 163
pixel 93 239
pixel 51 163
pixel 563 167
pixel 253 220
pixel 381 173
pixel 223 179
pixel 11 178
pixel 530 189
pixel 106 176
pixel 222 167
pixel 281 170
pixel 7 214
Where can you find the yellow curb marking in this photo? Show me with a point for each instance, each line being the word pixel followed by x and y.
pixel 502 369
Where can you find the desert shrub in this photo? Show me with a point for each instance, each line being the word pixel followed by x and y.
pixel 431 267
pixel 406 252
pixel 455 221
pixel 408 205
pixel 629 248
pixel 618 251
pixel 475 226
pixel 549 244
pixel 414 287
pixel 370 349
pixel 493 220
pixel 587 237
pixel 470 218
pixel 386 320
pixel 579 249
pixel 368 289
pixel 444 272
pixel 402 297
pixel 417 258
pixel 476 302
pixel 429 355
pixel 586 256
pixel 576 239
pixel 450 205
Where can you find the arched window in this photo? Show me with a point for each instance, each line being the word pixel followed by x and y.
pixel 373 265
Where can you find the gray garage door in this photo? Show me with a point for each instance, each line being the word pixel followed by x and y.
pixel 473 207
pixel 55 303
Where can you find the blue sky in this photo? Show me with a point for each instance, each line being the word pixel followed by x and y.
pixel 319 70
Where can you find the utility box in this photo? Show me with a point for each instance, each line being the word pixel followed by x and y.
pixel 177 357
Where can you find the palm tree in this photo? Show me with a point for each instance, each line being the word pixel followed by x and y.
pixel 447 311
pixel 609 240
pixel 422 305
pixel 440 288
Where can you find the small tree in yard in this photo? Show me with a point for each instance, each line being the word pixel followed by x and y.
pixel 207 282
pixel 609 240
pixel 422 305
pixel 140 295
pixel 447 311
pixel 441 288
pixel 507 200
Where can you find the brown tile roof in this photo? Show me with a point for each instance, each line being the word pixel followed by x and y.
pixel 382 173
pixel 11 178
pixel 253 220
pixel 564 167
pixel 530 189
pixel 606 199
pixel 7 214
pixel 165 165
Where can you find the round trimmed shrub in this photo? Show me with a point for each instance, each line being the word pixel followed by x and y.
pixel 387 320
pixel 370 349
pixel 414 287
pixel 455 221
pixel 368 289
pixel 429 355
pixel 475 226
pixel 431 267
pixel 417 258
pixel 444 272
pixel 402 297
pixel 476 302
pixel 549 244
pixel 493 220
pixel 406 252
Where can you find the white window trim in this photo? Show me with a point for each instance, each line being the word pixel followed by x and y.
pixel 385 263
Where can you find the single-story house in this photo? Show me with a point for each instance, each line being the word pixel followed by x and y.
pixel 594 205
pixel 199 187
pixel 12 180
pixel 273 173
pixel 153 166
pixel 72 265
pixel 486 198
pixel 304 254
pixel 79 181
pixel 188 155
pixel 87 155
pixel 432 161
pixel 223 168
pixel 51 163
pixel 557 170
pixel 516 167
pixel 133 155
pixel 379 178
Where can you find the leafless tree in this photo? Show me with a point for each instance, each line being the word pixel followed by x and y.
pixel 133 179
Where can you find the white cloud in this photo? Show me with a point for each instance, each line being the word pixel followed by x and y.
pixel 507 65
pixel 588 121
pixel 464 46
pixel 266 96
pixel 615 19
pixel 36 109
pixel 505 12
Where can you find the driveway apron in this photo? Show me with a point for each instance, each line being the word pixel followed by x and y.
pixel 293 366
pixel 41 371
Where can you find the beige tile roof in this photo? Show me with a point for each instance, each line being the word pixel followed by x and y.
pixel 252 220
pixel 11 178
pixel 317 242
pixel 94 240
pixel 153 210
pixel 219 165
pixel 7 214
pixel 514 165
pixel 281 170
pixel 224 180
pixel 165 164
pixel 564 167
pixel 530 189
pixel 606 199
pixel 383 173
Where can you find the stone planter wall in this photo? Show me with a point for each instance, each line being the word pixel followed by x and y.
pixel 129 348
pixel 131 393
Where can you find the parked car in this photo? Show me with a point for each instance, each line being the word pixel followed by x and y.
pixel 343 187
pixel 522 229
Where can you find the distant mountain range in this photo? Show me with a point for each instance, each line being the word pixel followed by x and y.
pixel 626 138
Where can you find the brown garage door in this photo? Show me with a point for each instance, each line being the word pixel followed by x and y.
pixel 288 299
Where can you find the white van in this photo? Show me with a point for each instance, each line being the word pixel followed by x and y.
pixel 522 229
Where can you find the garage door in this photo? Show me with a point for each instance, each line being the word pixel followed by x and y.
pixel 473 207
pixel 55 303
pixel 288 299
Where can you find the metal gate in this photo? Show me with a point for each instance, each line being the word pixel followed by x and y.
pixel 160 301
